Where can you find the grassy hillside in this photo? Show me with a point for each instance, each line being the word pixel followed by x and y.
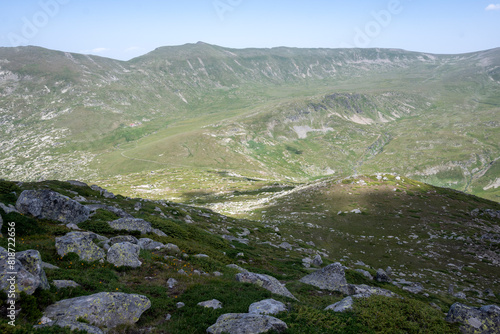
pixel 281 114
pixel 428 235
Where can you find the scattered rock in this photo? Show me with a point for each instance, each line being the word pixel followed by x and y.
pixel 267 282
pixel 108 309
pixel 171 282
pixel 201 256
pixel 217 274
pixel 148 244
pixel 306 262
pixel 168 317
pixel 341 306
pixel 158 232
pixel 234 266
pixel 180 305
pixel 72 325
pixel 317 261
pixel 365 291
pixel 484 320
pixel 267 306
pixel 285 245
pixel 382 276
pixel 8 209
pixel 365 273
pixel 48 204
pixel 30 273
pixel 240 323
pixel 460 295
pixel 124 254
pixel 214 303
pixel 331 277
pixel 80 243
pixel 123 238
pixel 131 224
pixel 172 248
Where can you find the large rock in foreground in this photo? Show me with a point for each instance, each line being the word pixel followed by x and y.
pixel 108 309
pixel 48 204
pixel 484 320
pixel 267 282
pixel 331 277
pixel 80 243
pixel 244 323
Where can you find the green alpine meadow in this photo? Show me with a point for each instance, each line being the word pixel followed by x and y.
pixel 206 189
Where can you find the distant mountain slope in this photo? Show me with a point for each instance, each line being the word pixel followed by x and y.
pixel 279 113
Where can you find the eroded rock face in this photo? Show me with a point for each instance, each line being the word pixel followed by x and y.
pixel 80 243
pixel 48 204
pixel 124 254
pixel 484 320
pixel 331 277
pixel 131 224
pixel 267 306
pixel 267 282
pixel 108 309
pixel 245 323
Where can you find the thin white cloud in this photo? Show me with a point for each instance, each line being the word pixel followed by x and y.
pixel 493 7
pixel 133 48
pixel 95 50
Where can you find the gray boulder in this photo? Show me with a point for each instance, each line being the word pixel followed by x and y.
pixel 365 273
pixel 235 266
pixel 124 254
pixel 28 266
pixel 123 238
pixel 61 284
pixel 32 262
pixel 80 243
pixel 108 309
pixel 72 325
pixel 484 320
pixel 131 224
pixel 214 303
pixel 331 277
pixel 267 306
pixel 48 204
pixel 244 323
pixel 267 282
pixel 382 277
pixel 148 244
pixel 317 261
pixel 342 306
pixel 285 245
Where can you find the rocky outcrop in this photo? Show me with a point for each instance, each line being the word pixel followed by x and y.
pixel 214 303
pixel 80 243
pixel 331 277
pixel 131 224
pixel 72 325
pixel 244 323
pixel 30 274
pixel 484 320
pixel 267 306
pixel 267 282
pixel 48 204
pixel 124 254
pixel 107 309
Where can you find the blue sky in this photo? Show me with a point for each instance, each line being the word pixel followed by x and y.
pixel 124 29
